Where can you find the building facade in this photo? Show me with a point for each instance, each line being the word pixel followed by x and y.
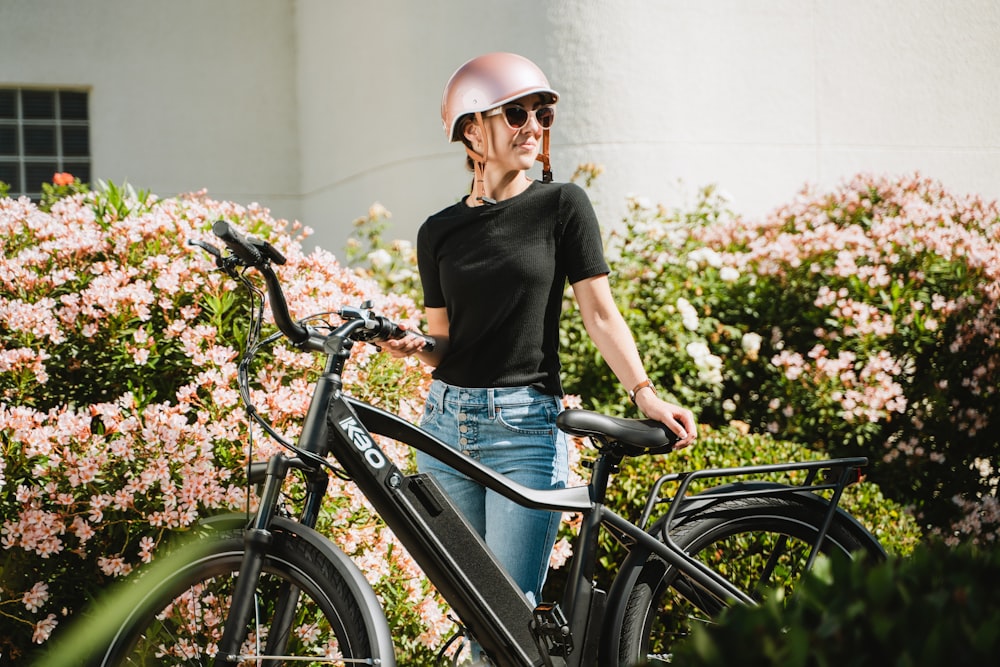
pixel 319 108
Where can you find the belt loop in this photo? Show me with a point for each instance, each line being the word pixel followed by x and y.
pixel 492 402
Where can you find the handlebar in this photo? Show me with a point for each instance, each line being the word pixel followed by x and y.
pixel 251 251
pixel 362 324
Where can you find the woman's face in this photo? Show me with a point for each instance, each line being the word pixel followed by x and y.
pixel 515 149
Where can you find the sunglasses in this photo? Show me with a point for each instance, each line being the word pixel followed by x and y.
pixel 517 117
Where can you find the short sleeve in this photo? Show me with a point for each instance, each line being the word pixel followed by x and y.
pixel 581 248
pixel 427 265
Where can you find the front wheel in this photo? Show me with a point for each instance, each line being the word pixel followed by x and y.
pixel 304 612
pixel 757 543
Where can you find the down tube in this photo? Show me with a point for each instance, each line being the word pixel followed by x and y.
pixel 434 532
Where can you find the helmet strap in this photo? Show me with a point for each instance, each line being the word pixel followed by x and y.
pixel 543 157
pixel 479 163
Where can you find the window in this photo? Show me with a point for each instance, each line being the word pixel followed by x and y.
pixel 42 132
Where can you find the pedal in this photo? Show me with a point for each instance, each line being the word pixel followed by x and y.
pixel 552 630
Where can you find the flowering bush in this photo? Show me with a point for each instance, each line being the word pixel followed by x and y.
pixel 119 412
pixel 862 320
pixel 392 264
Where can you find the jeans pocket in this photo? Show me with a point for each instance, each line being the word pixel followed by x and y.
pixel 432 412
pixel 528 418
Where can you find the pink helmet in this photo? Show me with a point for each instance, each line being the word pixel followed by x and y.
pixel 487 82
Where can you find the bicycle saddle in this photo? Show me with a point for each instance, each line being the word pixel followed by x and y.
pixel 634 437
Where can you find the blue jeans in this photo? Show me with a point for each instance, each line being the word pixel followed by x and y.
pixel 513 431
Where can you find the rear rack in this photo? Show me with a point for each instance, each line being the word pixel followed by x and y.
pixel 841 474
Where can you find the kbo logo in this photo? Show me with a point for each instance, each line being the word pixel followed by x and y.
pixel 360 438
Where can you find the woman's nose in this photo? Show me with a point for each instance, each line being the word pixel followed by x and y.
pixel 533 125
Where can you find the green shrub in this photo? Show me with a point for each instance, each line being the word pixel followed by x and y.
pixel 940 606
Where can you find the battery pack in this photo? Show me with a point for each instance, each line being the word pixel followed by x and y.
pixel 471 562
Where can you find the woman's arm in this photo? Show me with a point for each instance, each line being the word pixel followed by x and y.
pixel 610 333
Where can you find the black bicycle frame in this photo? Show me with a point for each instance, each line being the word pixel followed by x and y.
pixel 454 557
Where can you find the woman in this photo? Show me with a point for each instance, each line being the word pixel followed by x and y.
pixel 494 268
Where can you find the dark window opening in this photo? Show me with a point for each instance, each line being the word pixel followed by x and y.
pixel 42 133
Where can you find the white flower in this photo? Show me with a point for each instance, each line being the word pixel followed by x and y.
pixel 709 365
pixel 751 343
pixel 706 255
pixel 729 274
pixel 380 258
pixel 698 351
pixel 689 316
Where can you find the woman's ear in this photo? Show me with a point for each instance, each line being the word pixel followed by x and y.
pixel 472 133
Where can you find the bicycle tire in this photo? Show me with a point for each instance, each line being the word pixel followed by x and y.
pixel 180 618
pixel 733 537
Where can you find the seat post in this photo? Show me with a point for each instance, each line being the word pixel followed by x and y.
pixel 605 465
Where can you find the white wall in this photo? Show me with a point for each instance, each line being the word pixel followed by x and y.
pixel 762 96
pixel 318 108
pixel 756 96
pixel 184 94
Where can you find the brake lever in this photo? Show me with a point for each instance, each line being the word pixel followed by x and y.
pixel 267 250
pixel 207 247
pixel 226 263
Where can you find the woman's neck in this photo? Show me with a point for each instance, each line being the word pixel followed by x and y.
pixel 502 186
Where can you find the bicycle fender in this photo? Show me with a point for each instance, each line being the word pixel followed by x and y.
pixel 375 621
pixel 696 504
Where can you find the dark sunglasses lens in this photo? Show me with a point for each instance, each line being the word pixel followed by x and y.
pixel 545 116
pixel 516 116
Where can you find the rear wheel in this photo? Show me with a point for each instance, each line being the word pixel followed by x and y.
pixel 180 619
pixel 756 543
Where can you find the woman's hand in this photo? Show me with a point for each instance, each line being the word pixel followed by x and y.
pixel 411 344
pixel 677 419
pixel 403 347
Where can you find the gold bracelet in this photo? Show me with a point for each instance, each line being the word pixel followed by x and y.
pixel 642 385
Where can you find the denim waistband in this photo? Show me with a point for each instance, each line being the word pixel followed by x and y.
pixel 487 396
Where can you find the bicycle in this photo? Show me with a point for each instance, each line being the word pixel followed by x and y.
pixel 288 595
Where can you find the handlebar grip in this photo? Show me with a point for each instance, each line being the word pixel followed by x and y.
pixel 387 329
pixel 236 242
pixel 429 341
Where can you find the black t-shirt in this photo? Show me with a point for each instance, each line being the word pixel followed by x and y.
pixel 501 271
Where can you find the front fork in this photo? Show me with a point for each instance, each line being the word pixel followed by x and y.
pixel 257 540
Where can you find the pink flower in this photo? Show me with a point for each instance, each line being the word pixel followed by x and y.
pixel 82 529
pixel 36 597
pixel 114 566
pixel 44 628
pixel 146 545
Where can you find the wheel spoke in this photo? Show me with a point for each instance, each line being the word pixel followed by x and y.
pixel 299 613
